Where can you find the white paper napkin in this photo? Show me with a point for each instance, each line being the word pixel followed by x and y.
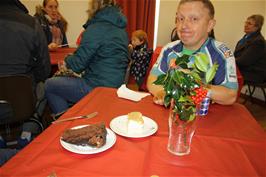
pixel 124 92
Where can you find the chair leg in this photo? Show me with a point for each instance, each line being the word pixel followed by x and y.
pixel 251 92
pixel 246 97
pixel 264 93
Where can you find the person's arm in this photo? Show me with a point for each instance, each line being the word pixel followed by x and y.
pixel 219 94
pixel 222 95
pixel 156 90
pixel 83 56
pixel 251 54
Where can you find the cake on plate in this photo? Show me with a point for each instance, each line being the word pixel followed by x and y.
pixel 135 123
pixel 92 135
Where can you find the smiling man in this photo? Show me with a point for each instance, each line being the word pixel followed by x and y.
pixel 195 19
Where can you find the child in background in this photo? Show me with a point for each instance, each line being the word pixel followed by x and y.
pixel 140 55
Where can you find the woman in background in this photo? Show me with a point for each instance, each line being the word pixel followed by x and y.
pixel 101 58
pixel 250 51
pixel 53 23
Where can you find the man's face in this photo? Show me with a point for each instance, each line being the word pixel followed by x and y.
pixel 193 24
pixel 250 26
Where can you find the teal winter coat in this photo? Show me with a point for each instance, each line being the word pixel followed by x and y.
pixel 102 56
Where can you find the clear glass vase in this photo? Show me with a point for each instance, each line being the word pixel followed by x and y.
pixel 180 134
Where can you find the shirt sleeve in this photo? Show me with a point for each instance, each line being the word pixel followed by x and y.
pixel 226 74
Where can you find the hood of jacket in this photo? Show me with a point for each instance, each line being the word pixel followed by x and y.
pixel 110 14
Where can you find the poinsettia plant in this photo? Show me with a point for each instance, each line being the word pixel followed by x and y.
pixel 186 84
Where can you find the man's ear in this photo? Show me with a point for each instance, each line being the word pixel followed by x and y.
pixel 211 25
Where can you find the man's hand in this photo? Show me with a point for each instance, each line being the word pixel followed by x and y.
pixel 158 98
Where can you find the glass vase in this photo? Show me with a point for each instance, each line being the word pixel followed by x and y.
pixel 180 134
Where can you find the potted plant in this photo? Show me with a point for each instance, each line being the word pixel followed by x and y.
pixel 185 85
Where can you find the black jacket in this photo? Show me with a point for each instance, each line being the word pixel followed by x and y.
pixel 23 46
pixel 250 57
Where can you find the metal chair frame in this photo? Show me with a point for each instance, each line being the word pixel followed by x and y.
pixel 251 90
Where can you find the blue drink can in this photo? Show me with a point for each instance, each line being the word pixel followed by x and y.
pixel 204 107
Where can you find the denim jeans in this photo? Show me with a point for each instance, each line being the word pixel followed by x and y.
pixel 62 91
pixel 6 154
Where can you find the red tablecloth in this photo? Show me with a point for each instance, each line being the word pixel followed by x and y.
pixel 60 54
pixel 227 142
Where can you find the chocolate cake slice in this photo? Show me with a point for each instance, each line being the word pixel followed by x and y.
pixel 92 135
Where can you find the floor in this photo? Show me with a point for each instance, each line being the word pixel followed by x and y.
pixel 257 109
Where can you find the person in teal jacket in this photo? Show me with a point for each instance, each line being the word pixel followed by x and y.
pixel 101 58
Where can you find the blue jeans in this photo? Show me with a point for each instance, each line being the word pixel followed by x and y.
pixel 6 154
pixel 62 91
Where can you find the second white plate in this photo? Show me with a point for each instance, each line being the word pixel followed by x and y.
pixel 119 126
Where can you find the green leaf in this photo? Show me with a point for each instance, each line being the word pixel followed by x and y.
pixel 201 62
pixel 193 114
pixel 183 65
pixel 196 76
pixel 182 60
pixel 160 79
pixel 182 99
pixel 175 94
pixel 211 73
pixel 169 85
pixel 187 113
pixel 177 76
pixel 167 100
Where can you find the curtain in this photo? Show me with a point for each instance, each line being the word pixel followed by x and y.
pixel 140 15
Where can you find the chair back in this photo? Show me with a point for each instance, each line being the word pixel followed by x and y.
pixel 17 91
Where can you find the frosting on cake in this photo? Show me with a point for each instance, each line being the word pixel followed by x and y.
pixel 135 123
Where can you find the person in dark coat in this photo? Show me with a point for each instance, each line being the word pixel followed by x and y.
pixel 23 46
pixel 250 51
pixel 23 50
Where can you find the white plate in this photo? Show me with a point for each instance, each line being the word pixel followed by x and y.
pixel 110 141
pixel 119 126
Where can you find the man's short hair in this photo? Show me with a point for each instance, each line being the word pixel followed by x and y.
pixel 207 3
pixel 258 19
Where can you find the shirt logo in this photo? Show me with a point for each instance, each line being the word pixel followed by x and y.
pixel 226 51
pixel 232 77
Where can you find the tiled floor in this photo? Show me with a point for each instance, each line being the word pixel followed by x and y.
pixel 258 110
